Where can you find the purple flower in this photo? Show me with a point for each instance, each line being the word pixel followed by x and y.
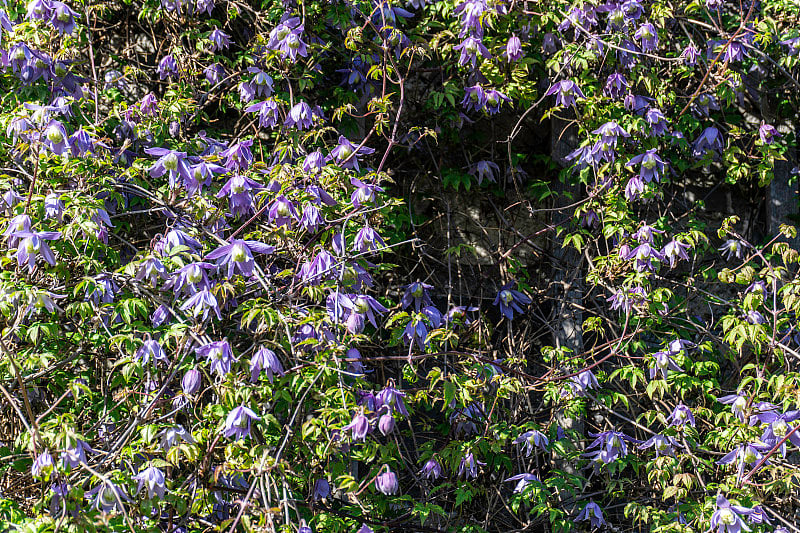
pixel 592 514
pixel 474 98
pixel 644 255
pixel 386 423
pixel 393 398
pixel 150 349
pixel 511 301
pixel 238 155
pixel 513 49
pixel 652 166
pixel 616 85
pixel 170 162
pixel 238 256
pixel 359 427
pixel 368 240
pixel 494 99
pixel 431 469
pixel 610 446
pixel 267 113
pixel 647 36
pixel 108 497
pixel 42 465
pixel 681 416
pixel 743 455
pixel 675 250
pixel 582 382
pixel 33 244
pixel 190 279
pixel 523 480
pixel 300 116
pixel 386 483
pixel 219 40
pixel 566 92
pixel 55 137
pixel 282 212
pixel 690 55
pixel 663 363
pixel 219 354
pixel 286 39
pixel 416 293
pixel 192 381
pixel 710 139
pixel 237 189
pixel 237 424
pixel 346 154
pixel 76 455
pixel 530 439
pixel 726 517
pixel 314 162
pixel 470 48
pixel 265 359
pixel 485 170
pixel 469 466
pixel 662 445
pixel 322 489
pixel 767 133
pixel 167 67
pixel 734 248
pixel 63 18
pixel 738 404
pixel 364 193
pixel 39 9
pixel 215 73
pixel 152 479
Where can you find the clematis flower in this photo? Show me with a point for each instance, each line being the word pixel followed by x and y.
pixel 76 455
pixel 616 85
pixel 386 482
pixel 726 517
pixel 431 469
pixel 108 497
pixel 170 162
pixel 647 37
pixel 150 349
pixel 219 354
pixel 219 40
pixel 32 244
pixel 710 139
pixel 237 423
pixel 190 279
pixel 191 382
pixel 743 455
pixel 152 479
pixel 286 39
pixel 173 435
pixel 239 190
pixel 485 170
pixel 359 427
pixel 474 98
pixel 523 480
pixel 42 465
pixel 511 301
pixel 681 416
pixel 265 359
pixel 346 154
pixel 238 256
pixel 393 398
pixel 584 381
pixel 386 423
pixel 566 91
pixel 238 155
pixel 267 113
pixel 215 74
pixel 663 363
pixel 151 269
pixel 734 248
pixel 738 404
pixel 321 491
pixel 530 439
pixel 690 55
pixel 675 250
pixel 593 514
pixel 167 67
pixel 368 240
pixel 282 212
pixel 663 445
pixel 470 48
pixel 778 426
pixel 469 466
pixel 767 133
pixel 652 166
pixel 610 446
pixel 56 138
pixel 513 49
pixel 300 117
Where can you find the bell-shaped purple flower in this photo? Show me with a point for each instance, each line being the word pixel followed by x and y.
pixel 593 514
pixel 566 92
pixel 431 469
pixel 219 355
pixel 237 423
pixel 511 301
pixel 151 479
pixel 265 359
pixel 238 256
pixel 386 483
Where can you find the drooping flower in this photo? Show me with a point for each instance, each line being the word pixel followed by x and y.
pixel 237 423
pixel 238 155
pixel 386 482
pixel 734 248
pixel 153 480
pixel 738 404
pixel 77 454
pixel 663 445
pixel 609 446
pixel 511 301
pixel 238 256
pixel 265 359
pixel 523 480
pixel 744 455
pixel 34 243
pixel 201 303
pixel 485 170
pixel 532 439
pixel 690 55
pixel 282 212
pixel 386 423
pixel 322 490
pixel 192 381
pixel 470 48
pixel 709 140
pixel 390 397
pixel 647 36
pixel 359 427
pixel 663 363
pixel 513 48
pixel 368 240
pixel 108 497
pixel 474 98
pixel 681 416
pixel 219 40
pixel 431 469
pixel 300 116
pixel 652 166
pixel 593 514
pixel 346 154
pixel 469 466
pixel 566 91
pixel 167 67
pixel 151 349
pixel 616 85
pixel 219 354
pixel 767 133
pixel 42 465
